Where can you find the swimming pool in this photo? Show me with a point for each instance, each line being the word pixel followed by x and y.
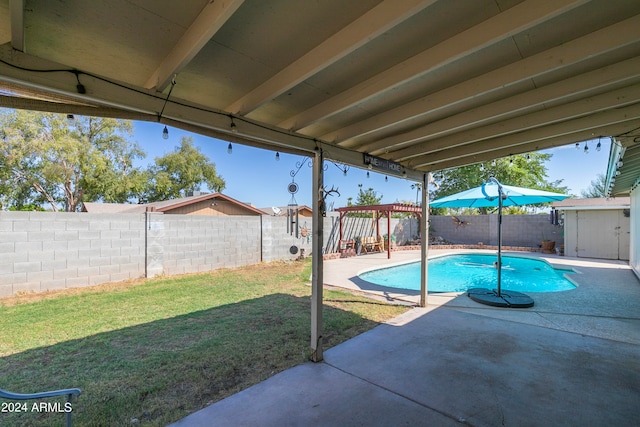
pixel 457 273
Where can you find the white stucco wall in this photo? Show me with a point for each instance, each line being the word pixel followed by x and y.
pixel 634 250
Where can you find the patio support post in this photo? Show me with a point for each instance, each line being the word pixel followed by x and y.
pixel 424 241
pixel 388 234
pixel 316 260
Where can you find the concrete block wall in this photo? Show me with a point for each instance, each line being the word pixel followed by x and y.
pixel 276 242
pixel 517 230
pixel 42 251
pixel 194 243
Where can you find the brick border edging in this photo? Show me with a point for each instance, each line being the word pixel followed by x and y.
pixel 417 248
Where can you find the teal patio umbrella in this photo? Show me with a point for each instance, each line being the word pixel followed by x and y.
pixel 492 194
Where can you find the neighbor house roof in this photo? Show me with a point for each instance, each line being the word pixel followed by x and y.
pixel 96 207
pixel 593 203
pixel 282 210
pixel 165 205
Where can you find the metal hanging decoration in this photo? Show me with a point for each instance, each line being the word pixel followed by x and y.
pixel 292 210
pixel 293 213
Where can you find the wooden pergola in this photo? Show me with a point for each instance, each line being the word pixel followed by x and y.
pixel 379 211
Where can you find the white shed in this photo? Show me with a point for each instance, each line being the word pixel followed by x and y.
pixel 596 228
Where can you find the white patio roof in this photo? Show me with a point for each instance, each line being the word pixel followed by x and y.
pixel 424 83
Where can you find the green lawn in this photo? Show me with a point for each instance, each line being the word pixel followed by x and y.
pixel 159 349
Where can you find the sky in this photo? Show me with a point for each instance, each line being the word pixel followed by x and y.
pixel 254 176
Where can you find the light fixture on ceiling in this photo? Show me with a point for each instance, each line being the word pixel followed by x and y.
pixel 230 148
pixel 343 168
pixel 79 87
pixel 165 131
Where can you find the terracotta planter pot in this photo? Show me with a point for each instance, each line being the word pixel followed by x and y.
pixel 548 246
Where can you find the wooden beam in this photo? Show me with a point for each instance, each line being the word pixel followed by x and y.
pixel 317 276
pixel 17 24
pixel 378 20
pixel 136 101
pixel 208 22
pixel 620 74
pixel 597 43
pixel 437 149
pixel 583 129
pixel 424 241
pixel 505 24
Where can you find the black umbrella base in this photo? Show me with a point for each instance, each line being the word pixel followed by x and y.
pixel 510 299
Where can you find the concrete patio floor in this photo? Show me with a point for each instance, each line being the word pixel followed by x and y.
pixel 571 360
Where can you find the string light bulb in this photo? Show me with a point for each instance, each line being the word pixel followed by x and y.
pixel 586 148
pixel 70 119
pixel 367 174
pixel 233 126
pixel 577 145
pixel 386 179
pixel 599 145
pixel 165 133
pixel 277 156
pixel 230 148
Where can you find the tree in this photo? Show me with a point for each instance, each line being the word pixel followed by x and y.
pixel 367 197
pixel 521 170
pixel 597 188
pixel 182 171
pixel 47 160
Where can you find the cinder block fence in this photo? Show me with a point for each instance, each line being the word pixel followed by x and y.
pixel 42 251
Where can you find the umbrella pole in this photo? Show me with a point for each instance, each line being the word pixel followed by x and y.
pixel 499 238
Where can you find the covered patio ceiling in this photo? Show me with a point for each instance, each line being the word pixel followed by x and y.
pixel 426 84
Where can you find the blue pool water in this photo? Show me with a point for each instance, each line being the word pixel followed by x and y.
pixel 457 273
